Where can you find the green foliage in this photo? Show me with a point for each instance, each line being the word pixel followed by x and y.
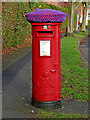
pixel 80 34
pixel 53 6
pixel 88 22
pixel 62 9
pixel 65 10
pixel 32 4
pixel 15 27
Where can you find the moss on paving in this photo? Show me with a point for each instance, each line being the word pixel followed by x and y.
pixel 47 114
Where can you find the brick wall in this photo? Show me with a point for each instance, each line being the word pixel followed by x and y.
pixel 80 11
pixel 58 4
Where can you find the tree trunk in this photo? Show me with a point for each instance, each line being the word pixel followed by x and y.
pixel 83 28
pixel 71 18
pixel 68 26
pixel 77 21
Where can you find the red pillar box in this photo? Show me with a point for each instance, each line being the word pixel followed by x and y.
pixel 46 78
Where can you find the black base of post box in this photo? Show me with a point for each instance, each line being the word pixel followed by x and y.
pixel 47 105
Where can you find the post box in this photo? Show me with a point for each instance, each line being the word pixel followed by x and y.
pixel 46 77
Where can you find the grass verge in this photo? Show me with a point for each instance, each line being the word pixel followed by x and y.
pixel 74 72
pixel 80 34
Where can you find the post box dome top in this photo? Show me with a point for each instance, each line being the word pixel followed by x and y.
pixel 45 15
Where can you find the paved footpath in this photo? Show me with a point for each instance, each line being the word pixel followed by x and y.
pixel 17 88
pixel 84 48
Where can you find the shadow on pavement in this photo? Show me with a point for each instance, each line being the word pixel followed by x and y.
pixel 11 72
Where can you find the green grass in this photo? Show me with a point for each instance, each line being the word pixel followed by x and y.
pixel 48 114
pixel 74 72
pixel 88 32
pixel 80 34
pixel 88 22
pixel 74 83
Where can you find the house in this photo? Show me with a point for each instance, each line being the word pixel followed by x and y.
pixel 59 4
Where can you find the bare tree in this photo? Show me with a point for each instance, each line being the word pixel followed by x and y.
pixel 73 6
pixel 70 18
pixel 85 8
